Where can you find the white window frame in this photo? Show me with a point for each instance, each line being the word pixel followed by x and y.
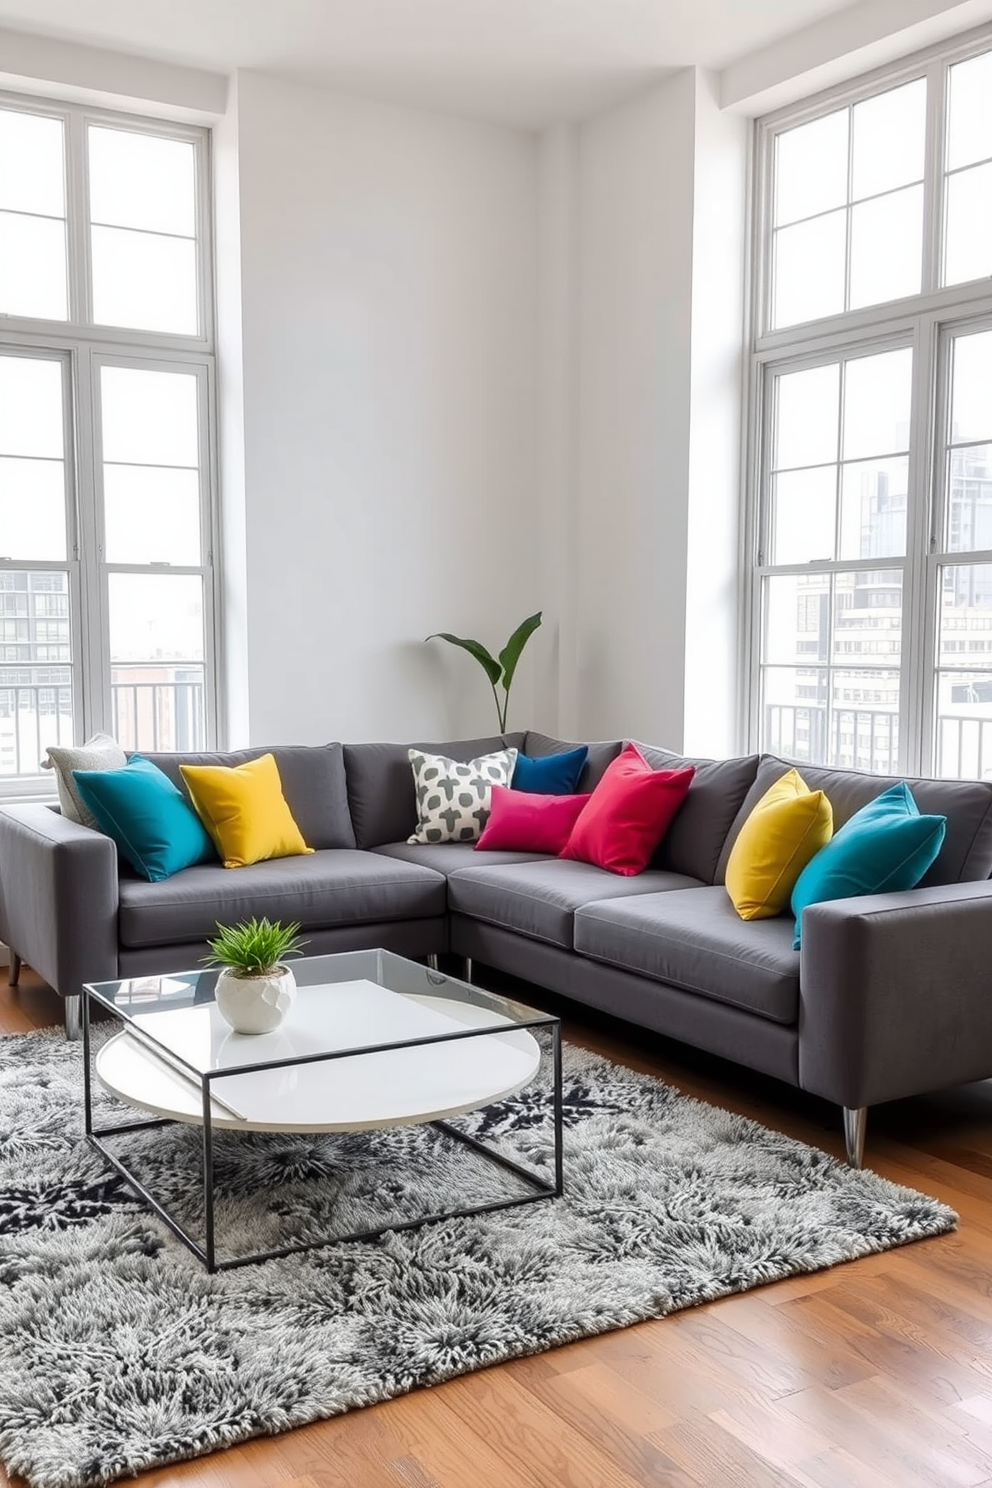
pixel 927 322
pixel 83 347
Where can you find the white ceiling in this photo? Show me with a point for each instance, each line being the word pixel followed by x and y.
pixel 522 61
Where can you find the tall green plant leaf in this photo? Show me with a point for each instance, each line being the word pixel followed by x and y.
pixel 510 654
pixel 489 664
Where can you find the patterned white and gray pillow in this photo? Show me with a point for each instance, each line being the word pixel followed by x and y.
pixel 99 753
pixel 453 800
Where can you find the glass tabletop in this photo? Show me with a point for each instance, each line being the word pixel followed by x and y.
pixel 351 1001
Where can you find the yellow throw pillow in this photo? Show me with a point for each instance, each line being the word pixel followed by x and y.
pixel 787 827
pixel 244 810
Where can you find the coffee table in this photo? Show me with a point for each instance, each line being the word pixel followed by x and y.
pixel 372 1040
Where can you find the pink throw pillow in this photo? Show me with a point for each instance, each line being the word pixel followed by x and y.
pixel 521 821
pixel 628 814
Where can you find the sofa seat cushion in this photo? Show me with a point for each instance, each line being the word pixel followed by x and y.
pixel 540 899
pixel 448 857
pixel 696 941
pixel 339 886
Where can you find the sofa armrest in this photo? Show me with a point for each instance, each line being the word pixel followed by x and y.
pixel 896 993
pixel 58 896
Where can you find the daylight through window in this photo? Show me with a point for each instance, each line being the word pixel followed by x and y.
pixel 106 594
pixel 871 493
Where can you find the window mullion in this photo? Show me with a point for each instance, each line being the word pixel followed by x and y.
pixel 77 229
pixel 93 638
pixel 933 177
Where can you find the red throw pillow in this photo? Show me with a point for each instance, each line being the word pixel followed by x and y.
pixel 521 821
pixel 628 814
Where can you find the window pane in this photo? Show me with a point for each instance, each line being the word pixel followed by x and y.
pixel 971 387
pixel 964 725
pixel 149 418
pixel 889 139
pixel 30 407
pixel 811 168
pixel 151 515
pixel 965 634
pixel 144 281
pixel 809 269
pixel 868 619
pixel 964 681
pixel 874 498
pixel 32 510
pixel 797 619
pixel 158 707
pixel 142 180
pixel 969 513
pixel 32 168
pixel 968 239
pixel 887 247
pixel 156 650
pixel 794 712
pixel 864 721
pixel 804 506
pixel 877 399
pixel 969 122
pixel 32 267
pixel 35 674
pixel 806 417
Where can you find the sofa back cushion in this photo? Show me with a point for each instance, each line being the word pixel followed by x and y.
pixel 601 752
pixel 313 783
pixel 967 851
pixel 381 792
pixel 695 842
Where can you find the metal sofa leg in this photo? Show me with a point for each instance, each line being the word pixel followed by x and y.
pixel 14 974
pixel 855 1126
pixel 467 969
pixel 432 962
pixel 73 1017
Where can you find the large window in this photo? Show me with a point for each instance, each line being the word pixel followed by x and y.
pixel 106 593
pixel 870 518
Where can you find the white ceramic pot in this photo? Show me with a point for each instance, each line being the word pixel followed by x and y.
pixel 255 1004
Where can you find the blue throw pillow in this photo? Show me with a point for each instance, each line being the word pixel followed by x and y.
pixel 550 774
pixel 884 848
pixel 154 826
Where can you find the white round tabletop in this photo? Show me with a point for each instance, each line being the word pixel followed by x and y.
pixel 354 1092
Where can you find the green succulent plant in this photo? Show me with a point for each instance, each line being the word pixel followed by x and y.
pixel 499 670
pixel 255 947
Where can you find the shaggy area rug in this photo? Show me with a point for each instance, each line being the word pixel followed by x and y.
pixel 118 1352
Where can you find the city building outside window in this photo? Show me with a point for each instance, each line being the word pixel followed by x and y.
pixel 106 451
pixel 869 519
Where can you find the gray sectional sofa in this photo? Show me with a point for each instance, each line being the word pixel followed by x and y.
pixel 890 996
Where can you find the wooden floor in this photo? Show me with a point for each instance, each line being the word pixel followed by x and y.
pixel 877 1374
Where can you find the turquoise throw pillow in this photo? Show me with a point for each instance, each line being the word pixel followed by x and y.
pixel 884 848
pixel 154 826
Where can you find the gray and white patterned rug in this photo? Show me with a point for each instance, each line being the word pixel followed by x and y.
pixel 118 1352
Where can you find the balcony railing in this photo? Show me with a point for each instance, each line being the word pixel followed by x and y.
pixel 31 718
pixel 868 739
pixel 145 715
pixel 158 715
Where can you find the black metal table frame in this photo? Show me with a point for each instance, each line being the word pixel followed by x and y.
pixel 207 1253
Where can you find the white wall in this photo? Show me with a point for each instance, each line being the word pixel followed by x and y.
pixel 389 304
pixel 634 318
pixel 660 267
pixel 713 617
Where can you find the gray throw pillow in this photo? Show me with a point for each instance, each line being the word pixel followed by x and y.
pixel 453 800
pixel 99 753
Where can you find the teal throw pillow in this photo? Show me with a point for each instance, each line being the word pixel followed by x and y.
pixel 153 824
pixel 884 848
